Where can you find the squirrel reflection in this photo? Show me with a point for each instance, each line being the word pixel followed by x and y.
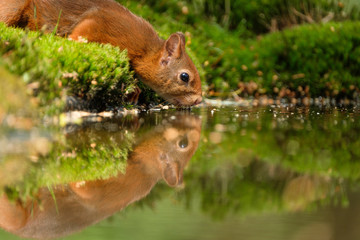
pixel 161 154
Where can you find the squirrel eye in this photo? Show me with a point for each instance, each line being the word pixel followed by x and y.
pixel 183 143
pixel 184 77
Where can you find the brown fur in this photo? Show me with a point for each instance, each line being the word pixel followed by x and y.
pixel 159 63
pixel 158 156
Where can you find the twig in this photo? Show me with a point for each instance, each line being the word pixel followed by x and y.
pixel 307 18
pixel 328 18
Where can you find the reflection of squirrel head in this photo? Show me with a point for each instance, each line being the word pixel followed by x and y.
pixel 167 150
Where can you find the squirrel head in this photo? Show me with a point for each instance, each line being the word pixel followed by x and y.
pixel 172 74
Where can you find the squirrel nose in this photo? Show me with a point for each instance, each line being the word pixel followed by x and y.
pixel 198 100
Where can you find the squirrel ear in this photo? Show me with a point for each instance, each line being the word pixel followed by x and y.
pixel 170 171
pixel 174 45
pixel 171 175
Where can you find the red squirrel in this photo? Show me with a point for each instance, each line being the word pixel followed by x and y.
pixel 161 154
pixel 163 65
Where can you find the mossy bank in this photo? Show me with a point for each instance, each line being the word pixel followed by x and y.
pixel 54 68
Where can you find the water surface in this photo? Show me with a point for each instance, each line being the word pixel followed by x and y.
pixel 275 172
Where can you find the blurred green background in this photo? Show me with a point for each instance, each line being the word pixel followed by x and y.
pixel 256 47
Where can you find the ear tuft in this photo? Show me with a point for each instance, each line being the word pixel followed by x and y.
pixel 182 37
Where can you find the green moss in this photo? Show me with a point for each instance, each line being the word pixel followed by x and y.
pixel 57 67
pixel 323 57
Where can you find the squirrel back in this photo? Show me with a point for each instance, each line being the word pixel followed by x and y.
pixel 161 64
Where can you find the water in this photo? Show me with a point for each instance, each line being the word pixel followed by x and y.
pixel 275 172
